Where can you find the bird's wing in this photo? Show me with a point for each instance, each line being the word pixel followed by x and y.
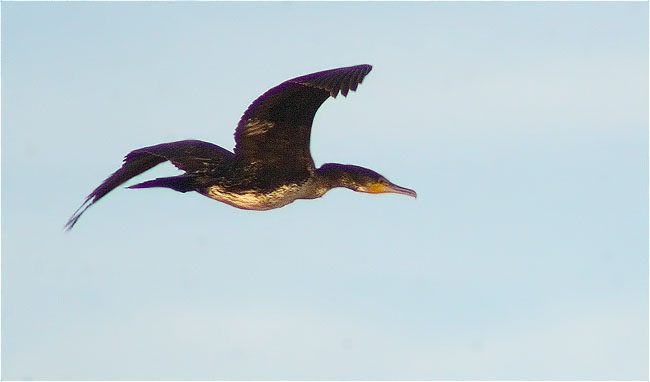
pixel 191 156
pixel 276 127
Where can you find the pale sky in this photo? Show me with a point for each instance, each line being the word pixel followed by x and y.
pixel 522 126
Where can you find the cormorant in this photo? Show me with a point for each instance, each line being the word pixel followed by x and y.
pixel 271 165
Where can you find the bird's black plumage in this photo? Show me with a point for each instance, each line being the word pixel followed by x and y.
pixel 271 165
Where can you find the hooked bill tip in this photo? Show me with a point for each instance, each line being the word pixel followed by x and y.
pixel 403 190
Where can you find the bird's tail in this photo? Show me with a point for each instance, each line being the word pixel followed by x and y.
pixel 181 183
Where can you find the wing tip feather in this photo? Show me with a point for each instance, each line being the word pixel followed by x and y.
pixel 340 80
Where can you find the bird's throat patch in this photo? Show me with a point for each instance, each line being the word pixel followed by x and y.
pixel 376 188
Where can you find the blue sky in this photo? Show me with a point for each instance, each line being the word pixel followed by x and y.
pixel 523 128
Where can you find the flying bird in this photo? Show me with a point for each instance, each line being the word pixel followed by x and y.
pixel 271 165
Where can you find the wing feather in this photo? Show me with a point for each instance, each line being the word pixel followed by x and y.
pixel 276 127
pixel 191 156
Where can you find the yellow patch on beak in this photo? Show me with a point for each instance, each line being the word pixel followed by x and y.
pixel 376 188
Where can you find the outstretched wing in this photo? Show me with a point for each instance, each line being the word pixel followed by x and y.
pixel 276 127
pixel 190 156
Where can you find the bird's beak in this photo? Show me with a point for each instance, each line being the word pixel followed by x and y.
pixel 395 189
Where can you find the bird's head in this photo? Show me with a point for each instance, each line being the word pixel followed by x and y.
pixel 361 179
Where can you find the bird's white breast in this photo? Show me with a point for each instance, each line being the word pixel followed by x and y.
pixel 252 200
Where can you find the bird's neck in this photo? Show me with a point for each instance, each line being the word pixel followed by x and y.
pixel 332 175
